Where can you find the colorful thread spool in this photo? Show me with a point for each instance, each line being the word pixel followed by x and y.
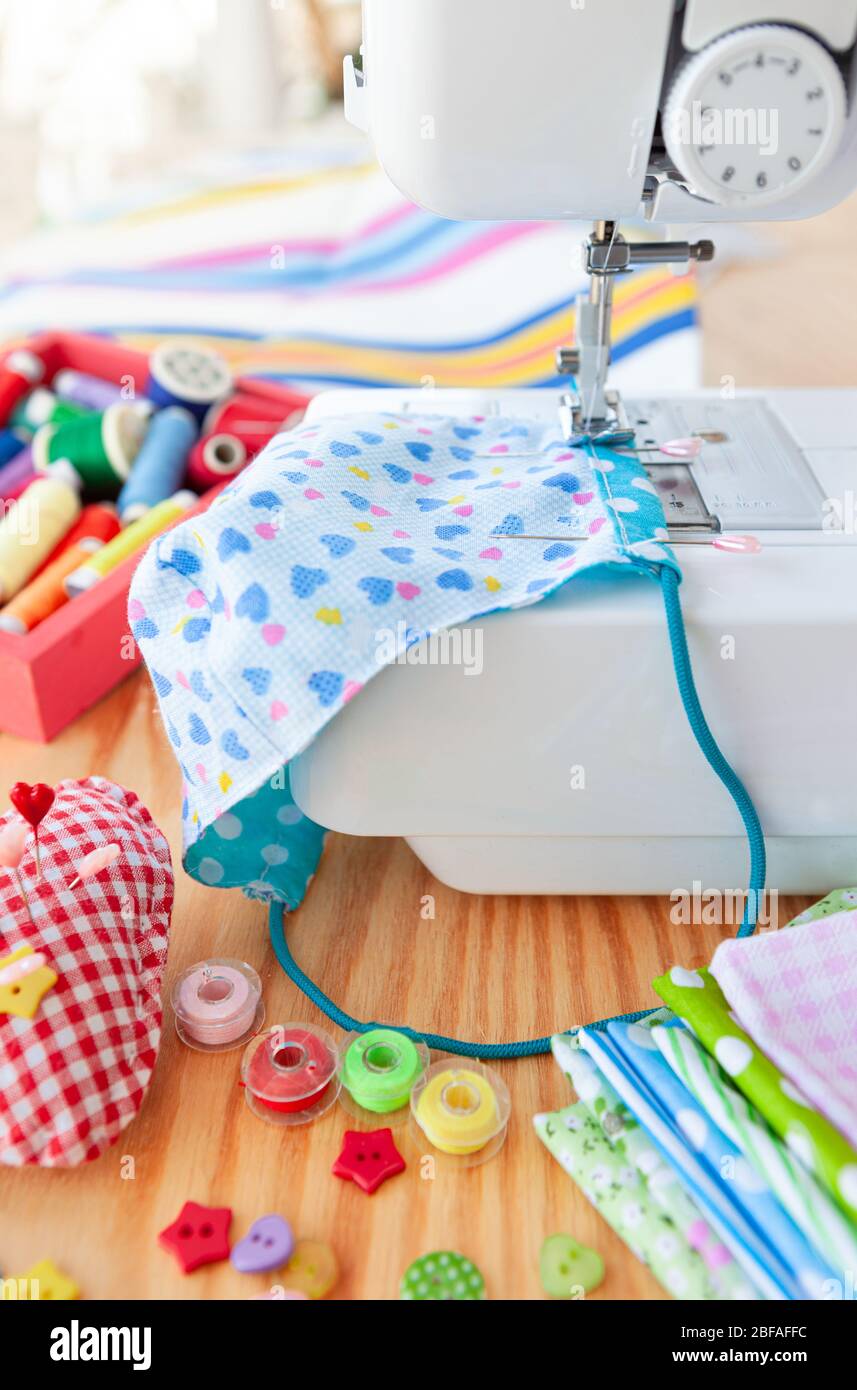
pixel 128 542
pixel 42 407
pixel 380 1069
pixel 289 1074
pixel 19 373
pixel 93 393
pixel 218 1005
pixel 160 465
pixel 46 593
pixel 31 528
pixel 17 475
pixel 100 448
pixel 11 444
pixel 183 372
pixel 252 419
pixel 463 1110
pixel 98 521
pixel 214 459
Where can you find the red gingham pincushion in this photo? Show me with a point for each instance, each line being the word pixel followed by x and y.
pixel 73 1076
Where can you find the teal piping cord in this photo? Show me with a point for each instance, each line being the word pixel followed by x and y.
pixel 716 760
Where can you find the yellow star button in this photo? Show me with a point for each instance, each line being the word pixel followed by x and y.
pixel 25 978
pixel 44 1281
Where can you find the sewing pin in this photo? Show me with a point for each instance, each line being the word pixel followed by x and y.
pixel 13 838
pixel 33 803
pixel 94 862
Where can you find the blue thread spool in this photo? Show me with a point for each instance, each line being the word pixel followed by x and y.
pixel 160 465
pixel 10 445
pixel 182 372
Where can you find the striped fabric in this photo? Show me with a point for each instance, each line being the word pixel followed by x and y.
pixel 324 274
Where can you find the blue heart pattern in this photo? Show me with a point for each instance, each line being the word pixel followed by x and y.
pixel 292 627
pixel 378 591
pixel 305 581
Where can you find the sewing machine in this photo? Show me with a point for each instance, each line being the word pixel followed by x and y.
pixel 679 115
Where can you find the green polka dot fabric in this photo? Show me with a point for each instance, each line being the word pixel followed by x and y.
pixel 808 1204
pixel 723 1278
pixel 618 1190
pixel 697 999
pixel 840 900
pixel 443 1276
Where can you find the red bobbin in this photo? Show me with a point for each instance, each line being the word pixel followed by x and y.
pixel 289 1074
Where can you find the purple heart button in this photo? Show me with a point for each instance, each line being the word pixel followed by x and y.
pixel 267 1245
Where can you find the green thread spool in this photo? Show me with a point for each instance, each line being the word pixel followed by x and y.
pixel 42 407
pixel 380 1069
pixel 100 447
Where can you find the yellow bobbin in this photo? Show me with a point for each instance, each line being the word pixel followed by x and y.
pixel 460 1108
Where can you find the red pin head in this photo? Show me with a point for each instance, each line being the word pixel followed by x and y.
pixel 33 803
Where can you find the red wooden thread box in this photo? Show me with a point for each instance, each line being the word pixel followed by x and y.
pixel 53 674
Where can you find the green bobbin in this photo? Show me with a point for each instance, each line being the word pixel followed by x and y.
pixel 380 1069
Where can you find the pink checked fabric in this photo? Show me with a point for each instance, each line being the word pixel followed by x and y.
pixel 73 1076
pixel 795 993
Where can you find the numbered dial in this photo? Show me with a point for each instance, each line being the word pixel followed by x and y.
pixel 756 116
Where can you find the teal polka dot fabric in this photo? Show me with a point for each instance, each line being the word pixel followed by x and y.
pixel 344 544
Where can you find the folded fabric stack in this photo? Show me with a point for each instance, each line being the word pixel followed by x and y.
pixel 717 1135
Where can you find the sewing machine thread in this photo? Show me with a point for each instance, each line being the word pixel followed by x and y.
pixel 289 1074
pixel 218 1005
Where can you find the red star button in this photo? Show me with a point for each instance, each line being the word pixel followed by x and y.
pixel 368 1158
pixel 198 1236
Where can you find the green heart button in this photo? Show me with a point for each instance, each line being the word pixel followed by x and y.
pixel 566 1267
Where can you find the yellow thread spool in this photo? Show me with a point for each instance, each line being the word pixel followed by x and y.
pixel 129 541
pixel 30 529
pixel 461 1109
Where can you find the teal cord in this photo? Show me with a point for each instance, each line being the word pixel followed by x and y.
pixel 713 755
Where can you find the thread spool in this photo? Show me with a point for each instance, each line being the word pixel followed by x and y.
pixel 183 372
pixel 31 528
pixel 46 592
pixel 19 373
pixel 289 1074
pixel 93 393
pixel 462 1109
pixel 215 459
pixel 218 1005
pixel 379 1069
pixel 252 419
pixel 160 465
pixel 101 448
pixel 128 542
pixel 11 444
pixel 97 521
pixel 42 407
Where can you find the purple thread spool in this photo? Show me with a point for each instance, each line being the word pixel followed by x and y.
pixel 91 391
pixel 17 474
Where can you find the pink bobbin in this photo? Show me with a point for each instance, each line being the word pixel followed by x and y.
pixel 218 1005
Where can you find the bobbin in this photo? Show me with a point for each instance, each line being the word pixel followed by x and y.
pixel 289 1074
pixel 462 1108
pixel 185 372
pixel 218 1005
pixel 378 1070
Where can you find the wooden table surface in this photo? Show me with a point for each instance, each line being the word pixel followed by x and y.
pixel 501 967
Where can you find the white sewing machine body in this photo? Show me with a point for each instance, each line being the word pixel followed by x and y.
pixel 567 764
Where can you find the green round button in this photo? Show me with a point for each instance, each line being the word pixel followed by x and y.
pixel 442 1276
pixel 381 1068
pixel 566 1267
